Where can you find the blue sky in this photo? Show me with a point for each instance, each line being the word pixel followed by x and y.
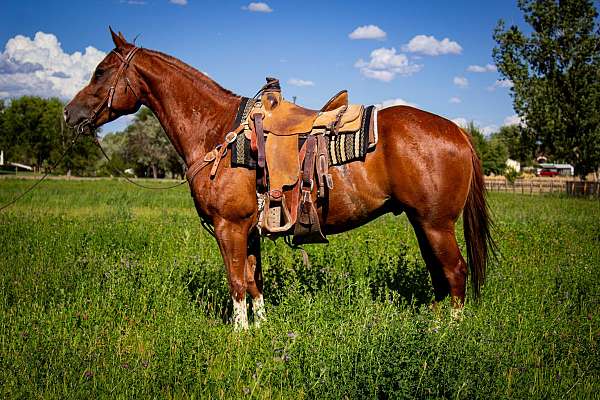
pixel 432 54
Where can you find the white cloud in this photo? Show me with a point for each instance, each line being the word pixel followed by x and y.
pixel 486 130
pixel 461 81
pixel 460 121
pixel 385 64
pixel 430 46
pixel 368 32
pixel 512 120
pixel 258 7
pixel 501 83
pixel 41 67
pixel 482 68
pixel 300 82
pixel 394 102
pixel 455 100
pixel 489 129
pixel 179 2
pixel 11 66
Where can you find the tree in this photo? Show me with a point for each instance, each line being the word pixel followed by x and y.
pixel 144 147
pixel 494 158
pixel 3 135
pixel 556 76
pixel 148 145
pixel 29 129
pixel 115 146
pixel 33 132
pixel 477 138
pixel 510 136
pixel 492 152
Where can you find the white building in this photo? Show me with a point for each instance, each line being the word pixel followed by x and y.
pixel 513 164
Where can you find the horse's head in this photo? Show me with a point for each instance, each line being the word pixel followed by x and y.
pixel 113 89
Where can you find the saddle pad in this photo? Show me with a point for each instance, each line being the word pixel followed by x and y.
pixel 343 147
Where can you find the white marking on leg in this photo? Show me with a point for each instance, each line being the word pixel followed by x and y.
pixel 456 314
pixel 258 306
pixel 240 314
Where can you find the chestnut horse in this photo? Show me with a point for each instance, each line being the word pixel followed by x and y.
pixel 423 165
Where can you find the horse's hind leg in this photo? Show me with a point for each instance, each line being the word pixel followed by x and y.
pixel 255 278
pixel 445 263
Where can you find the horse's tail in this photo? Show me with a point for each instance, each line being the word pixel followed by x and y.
pixel 477 226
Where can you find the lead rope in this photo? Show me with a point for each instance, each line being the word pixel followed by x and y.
pixel 54 165
pixel 118 171
pixel 203 222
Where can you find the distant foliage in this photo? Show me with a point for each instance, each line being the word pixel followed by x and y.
pixel 556 78
pixel 144 147
pixel 492 151
pixel 510 136
pixel 511 174
pixel 33 132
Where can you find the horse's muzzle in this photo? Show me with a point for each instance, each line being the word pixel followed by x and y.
pixel 74 115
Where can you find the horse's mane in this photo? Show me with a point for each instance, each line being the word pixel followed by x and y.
pixel 192 73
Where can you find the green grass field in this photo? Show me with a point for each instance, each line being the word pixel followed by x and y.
pixel 107 290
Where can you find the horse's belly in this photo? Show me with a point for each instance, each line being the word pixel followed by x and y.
pixel 354 200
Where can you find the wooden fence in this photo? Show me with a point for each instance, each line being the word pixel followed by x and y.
pixel 544 185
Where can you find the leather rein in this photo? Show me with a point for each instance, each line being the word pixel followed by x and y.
pixel 89 122
pixel 212 157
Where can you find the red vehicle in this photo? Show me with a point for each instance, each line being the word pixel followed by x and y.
pixel 548 172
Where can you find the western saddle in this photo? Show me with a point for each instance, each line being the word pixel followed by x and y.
pixel 291 144
pixel 293 161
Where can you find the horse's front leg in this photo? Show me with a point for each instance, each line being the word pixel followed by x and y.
pixel 233 243
pixel 255 278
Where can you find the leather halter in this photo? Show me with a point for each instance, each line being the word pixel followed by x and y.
pixel 108 99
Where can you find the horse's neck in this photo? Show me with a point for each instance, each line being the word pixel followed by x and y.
pixel 194 111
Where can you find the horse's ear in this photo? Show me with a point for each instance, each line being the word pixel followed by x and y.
pixel 122 37
pixel 119 41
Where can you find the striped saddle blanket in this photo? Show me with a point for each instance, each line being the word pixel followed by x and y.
pixel 343 147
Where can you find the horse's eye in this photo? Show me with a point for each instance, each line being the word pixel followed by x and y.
pixel 98 72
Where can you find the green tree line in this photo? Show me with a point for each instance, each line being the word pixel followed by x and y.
pixel 144 148
pixel 499 146
pixel 33 132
